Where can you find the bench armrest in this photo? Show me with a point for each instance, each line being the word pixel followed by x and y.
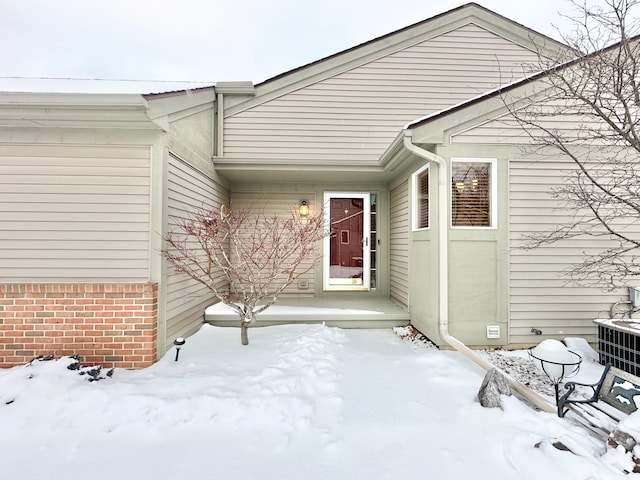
pixel 571 386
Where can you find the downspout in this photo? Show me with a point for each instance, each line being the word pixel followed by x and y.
pixel 220 124
pixel 443 276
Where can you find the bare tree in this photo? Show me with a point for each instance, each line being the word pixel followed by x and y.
pixel 593 87
pixel 257 255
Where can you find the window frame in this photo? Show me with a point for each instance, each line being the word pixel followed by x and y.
pixel 415 196
pixel 493 186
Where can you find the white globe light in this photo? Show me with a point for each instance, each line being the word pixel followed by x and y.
pixel 554 359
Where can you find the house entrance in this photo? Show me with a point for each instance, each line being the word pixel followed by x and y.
pixel 347 248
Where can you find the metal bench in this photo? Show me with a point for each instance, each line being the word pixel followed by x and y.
pixel 611 400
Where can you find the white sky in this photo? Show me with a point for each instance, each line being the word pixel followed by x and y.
pixel 212 40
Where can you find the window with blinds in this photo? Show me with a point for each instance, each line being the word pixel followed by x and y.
pixel 421 198
pixel 471 193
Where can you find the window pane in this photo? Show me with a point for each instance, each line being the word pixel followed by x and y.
pixel 345 258
pixel 471 194
pixel 423 199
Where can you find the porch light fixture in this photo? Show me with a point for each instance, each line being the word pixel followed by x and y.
pixel 556 361
pixel 178 342
pixel 304 208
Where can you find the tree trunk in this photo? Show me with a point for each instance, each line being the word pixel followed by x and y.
pixel 247 319
pixel 244 332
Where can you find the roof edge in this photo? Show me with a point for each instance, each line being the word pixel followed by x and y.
pixel 404 29
pixel 73 99
pixel 513 85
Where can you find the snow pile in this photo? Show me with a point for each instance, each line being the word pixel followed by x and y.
pixel 302 401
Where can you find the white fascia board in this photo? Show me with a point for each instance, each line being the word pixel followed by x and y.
pixel 73 100
pixel 74 110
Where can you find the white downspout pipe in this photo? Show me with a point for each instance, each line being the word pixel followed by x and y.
pixel 220 123
pixel 443 276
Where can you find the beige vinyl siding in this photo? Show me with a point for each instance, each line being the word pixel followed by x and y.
pixel 399 244
pixel 282 204
pixel 539 294
pixel 188 190
pixel 191 137
pixel 558 115
pixel 74 213
pixel 502 131
pixel 355 115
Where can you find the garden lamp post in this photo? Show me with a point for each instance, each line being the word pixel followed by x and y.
pixel 178 342
pixel 556 361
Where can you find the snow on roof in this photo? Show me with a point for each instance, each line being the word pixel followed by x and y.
pixel 78 85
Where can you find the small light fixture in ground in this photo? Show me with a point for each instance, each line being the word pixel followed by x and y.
pixel 556 361
pixel 178 342
pixel 304 208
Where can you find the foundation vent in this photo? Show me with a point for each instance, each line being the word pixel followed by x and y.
pixel 493 331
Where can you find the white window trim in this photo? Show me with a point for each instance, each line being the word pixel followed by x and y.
pixel 494 192
pixel 415 197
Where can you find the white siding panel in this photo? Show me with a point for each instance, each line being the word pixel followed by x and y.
pixel 540 295
pixel 188 190
pixel 354 116
pixel 74 213
pixel 552 115
pixel 399 244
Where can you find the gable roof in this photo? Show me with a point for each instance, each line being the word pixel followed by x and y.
pixel 518 84
pixel 470 13
pixel 417 25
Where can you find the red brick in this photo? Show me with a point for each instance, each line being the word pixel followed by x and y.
pixel 22 327
pixel 65 301
pixel 85 301
pixel 74 321
pixel 24 301
pixel 35 318
pixel 145 351
pixel 33 321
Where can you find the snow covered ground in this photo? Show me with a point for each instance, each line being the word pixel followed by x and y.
pixel 300 402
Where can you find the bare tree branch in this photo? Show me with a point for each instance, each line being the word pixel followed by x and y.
pixel 599 93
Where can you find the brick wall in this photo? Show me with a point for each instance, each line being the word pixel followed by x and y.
pixel 110 324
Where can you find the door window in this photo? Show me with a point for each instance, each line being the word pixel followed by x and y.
pixel 347 247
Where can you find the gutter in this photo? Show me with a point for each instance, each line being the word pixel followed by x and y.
pixel 443 277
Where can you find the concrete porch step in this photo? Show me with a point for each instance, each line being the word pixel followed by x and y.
pixel 337 312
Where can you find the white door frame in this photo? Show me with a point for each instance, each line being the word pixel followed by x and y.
pixel 349 284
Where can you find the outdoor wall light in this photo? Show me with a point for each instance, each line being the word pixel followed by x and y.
pixel 178 342
pixel 556 361
pixel 304 208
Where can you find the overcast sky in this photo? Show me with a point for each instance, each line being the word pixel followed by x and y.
pixel 212 40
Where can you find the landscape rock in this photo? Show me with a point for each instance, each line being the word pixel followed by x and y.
pixel 494 385
pixel 558 445
pixel 619 437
